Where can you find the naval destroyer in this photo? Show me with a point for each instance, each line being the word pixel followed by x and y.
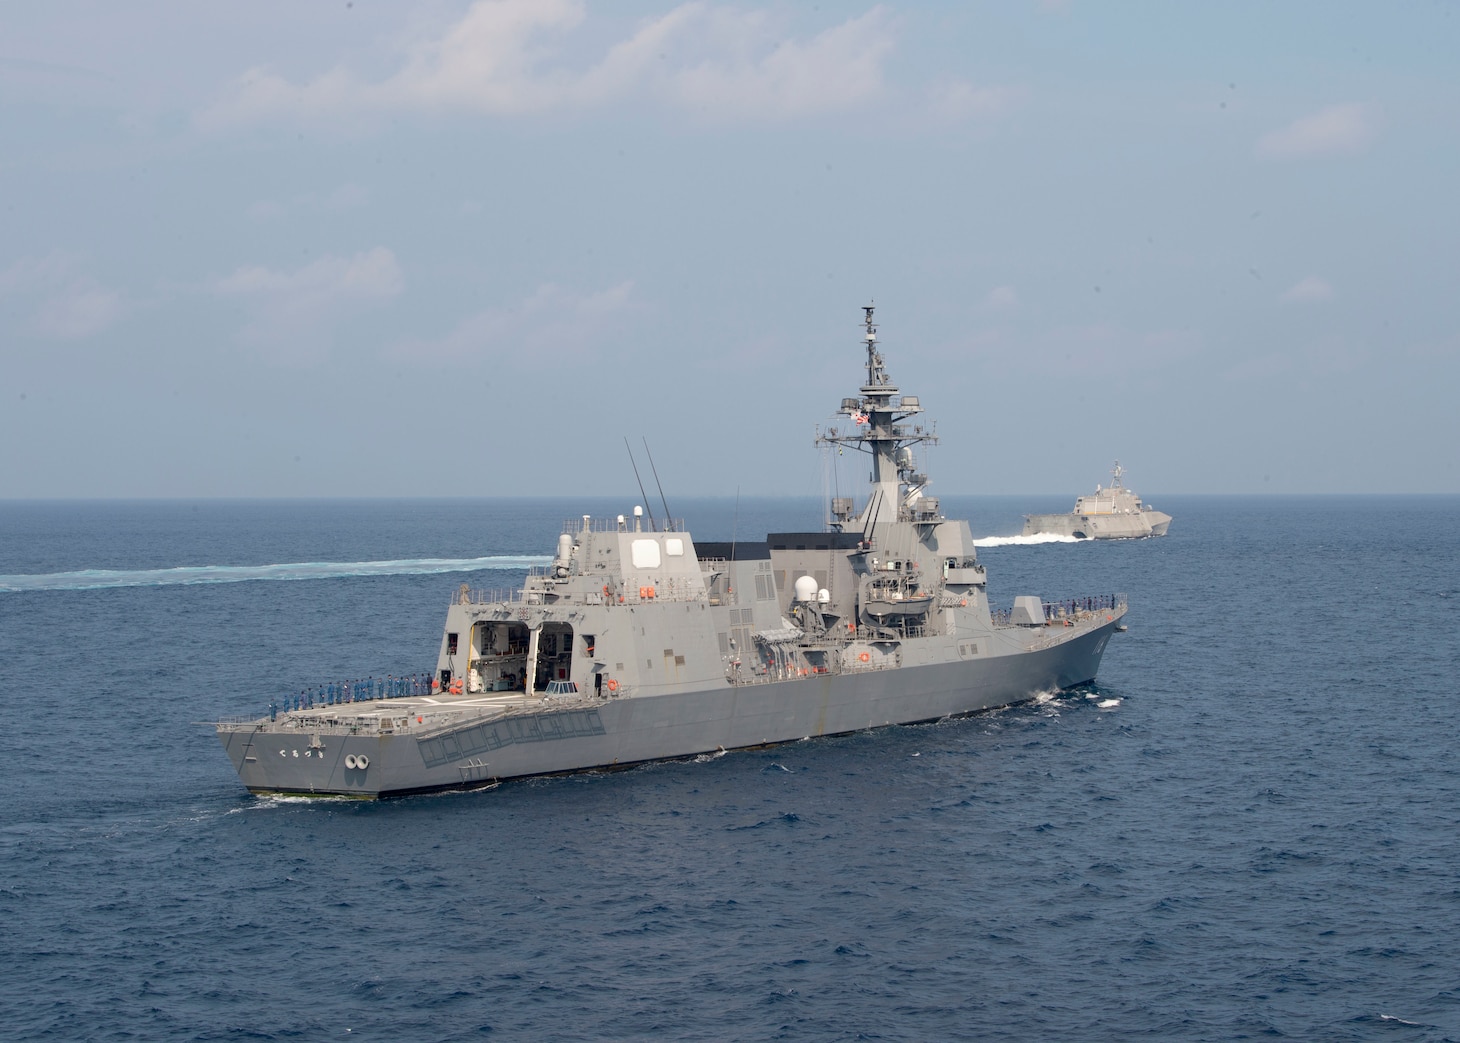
pixel 636 643
pixel 1115 513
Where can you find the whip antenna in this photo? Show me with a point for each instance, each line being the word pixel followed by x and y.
pixel 668 525
pixel 643 495
pixel 735 525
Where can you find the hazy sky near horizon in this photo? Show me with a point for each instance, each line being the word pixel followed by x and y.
pixel 454 248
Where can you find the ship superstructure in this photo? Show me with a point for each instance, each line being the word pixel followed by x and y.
pixel 636 643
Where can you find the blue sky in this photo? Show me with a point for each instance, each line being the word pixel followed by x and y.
pixel 453 248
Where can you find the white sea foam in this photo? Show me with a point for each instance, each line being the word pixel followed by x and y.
pixel 277 800
pixel 1024 541
pixel 1106 704
pixel 97 579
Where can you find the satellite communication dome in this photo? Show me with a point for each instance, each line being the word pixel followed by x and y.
pixel 806 589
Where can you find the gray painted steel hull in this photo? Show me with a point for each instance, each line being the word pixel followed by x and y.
pixel 584 734
pixel 635 644
pixel 1100 527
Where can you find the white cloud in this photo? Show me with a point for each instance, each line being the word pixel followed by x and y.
pixel 959 99
pixel 1335 130
pixel 1001 298
pixel 834 70
pixel 373 273
pixel 552 319
pixel 32 273
pixel 293 312
pixel 70 304
pixel 79 310
pixel 497 60
pixel 487 61
pixel 1311 288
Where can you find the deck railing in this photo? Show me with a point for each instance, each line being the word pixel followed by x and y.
pixel 675 588
pixel 574 526
pixel 1073 609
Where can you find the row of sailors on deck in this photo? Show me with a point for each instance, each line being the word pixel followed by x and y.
pixel 336 692
pixel 1063 609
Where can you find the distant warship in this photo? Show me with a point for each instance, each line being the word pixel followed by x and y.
pixel 1109 514
pixel 638 644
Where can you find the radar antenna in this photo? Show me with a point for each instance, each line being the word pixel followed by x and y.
pixel 875 373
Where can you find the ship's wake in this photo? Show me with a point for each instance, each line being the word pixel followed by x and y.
pixel 1024 541
pixel 98 579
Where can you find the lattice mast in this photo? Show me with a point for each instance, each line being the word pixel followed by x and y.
pixel 878 427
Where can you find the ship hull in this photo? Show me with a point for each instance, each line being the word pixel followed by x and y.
pixel 1099 526
pixel 588 734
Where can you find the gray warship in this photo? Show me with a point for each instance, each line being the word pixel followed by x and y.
pixel 1115 513
pixel 638 644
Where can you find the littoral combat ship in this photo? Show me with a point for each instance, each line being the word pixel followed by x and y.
pixel 638 644
pixel 1107 514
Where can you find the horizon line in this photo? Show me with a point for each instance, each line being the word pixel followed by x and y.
pixel 450 498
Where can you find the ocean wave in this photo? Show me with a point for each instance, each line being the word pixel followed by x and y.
pixel 98 579
pixel 1024 541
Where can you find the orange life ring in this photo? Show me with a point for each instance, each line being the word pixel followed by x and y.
pixel 612 685
pixel 864 657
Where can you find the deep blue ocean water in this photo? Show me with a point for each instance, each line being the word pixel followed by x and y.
pixel 1249 828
